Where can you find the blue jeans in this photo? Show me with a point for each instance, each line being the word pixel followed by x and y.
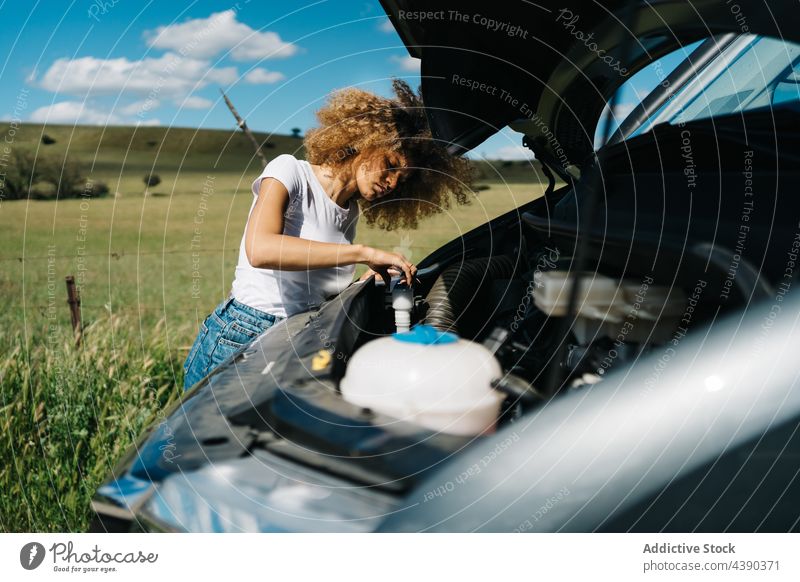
pixel 227 330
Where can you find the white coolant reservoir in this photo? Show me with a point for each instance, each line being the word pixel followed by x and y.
pixel 431 378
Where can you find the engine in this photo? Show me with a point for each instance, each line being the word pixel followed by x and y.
pixel 549 330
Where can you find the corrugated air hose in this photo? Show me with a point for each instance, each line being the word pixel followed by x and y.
pixel 463 292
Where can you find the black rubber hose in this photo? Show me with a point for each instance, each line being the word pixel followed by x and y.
pixel 463 289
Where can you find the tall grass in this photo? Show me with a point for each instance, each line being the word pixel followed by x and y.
pixel 67 414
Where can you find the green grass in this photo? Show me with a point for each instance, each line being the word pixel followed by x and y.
pixel 68 413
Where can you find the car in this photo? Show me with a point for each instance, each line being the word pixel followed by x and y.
pixel 631 333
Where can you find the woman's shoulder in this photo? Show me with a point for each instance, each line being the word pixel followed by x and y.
pixel 285 168
pixel 285 160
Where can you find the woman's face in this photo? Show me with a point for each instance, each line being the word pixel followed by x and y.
pixel 378 173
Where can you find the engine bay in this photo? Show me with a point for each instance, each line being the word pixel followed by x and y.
pixel 516 303
pixel 562 296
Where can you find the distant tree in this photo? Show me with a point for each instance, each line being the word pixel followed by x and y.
pixel 268 145
pixel 21 173
pixel 27 174
pixel 47 140
pixel 96 188
pixel 66 176
pixel 151 142
pixel 151 181
pixel 296 132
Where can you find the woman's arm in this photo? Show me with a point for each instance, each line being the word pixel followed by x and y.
pixel 267 248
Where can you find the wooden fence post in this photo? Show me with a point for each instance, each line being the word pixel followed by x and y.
pixel 74 301
pixel 243 126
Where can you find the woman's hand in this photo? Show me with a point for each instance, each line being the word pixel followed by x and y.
pixel 369 273
pixel 386 264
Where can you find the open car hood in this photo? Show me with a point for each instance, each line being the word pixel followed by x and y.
pixel 549 68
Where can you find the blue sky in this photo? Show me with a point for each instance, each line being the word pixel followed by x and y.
pixel 161 63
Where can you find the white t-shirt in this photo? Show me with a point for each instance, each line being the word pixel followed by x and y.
pixel 310 214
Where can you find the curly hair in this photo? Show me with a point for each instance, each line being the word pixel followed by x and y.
pixel 355 121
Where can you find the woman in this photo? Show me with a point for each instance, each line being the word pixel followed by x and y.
pixel 370 155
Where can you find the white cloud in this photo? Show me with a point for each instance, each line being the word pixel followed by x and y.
pixel 222 75
pixel 220 32
pixel 167 76
pixel 386 26
pixel 195 102
pixel 261 76
pixel 512 152
pixel 137 106
pixel 621 111
pixel 264 45
pixel 71 112
pixel 174 76
pixel 74 112
pixel 407 63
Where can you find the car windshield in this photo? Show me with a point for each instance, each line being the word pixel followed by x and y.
pixel 752 73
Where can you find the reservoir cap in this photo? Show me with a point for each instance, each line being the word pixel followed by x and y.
pixel 426 334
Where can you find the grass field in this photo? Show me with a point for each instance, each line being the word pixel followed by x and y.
pixel 149 269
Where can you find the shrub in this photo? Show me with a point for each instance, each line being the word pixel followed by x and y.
pixel 46 177
pixel 96 189
pixel 150 181
pixel 66 175
pixel 21 173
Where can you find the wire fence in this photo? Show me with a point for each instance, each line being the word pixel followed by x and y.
pixel 121 254
pixel 118 254
pixel 113 309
